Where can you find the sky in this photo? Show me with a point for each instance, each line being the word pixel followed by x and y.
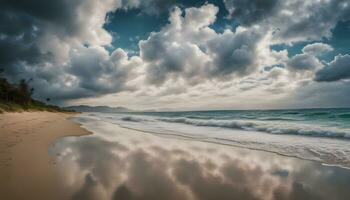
pixel 180 54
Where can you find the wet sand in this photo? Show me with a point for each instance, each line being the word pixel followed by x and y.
pixel 118 163
pixel 26 169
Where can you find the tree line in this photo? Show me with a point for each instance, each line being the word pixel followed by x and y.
pixel 18 97
pixel 20 94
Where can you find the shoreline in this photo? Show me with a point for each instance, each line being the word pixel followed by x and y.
pixel 115 159
pixel 184 137
pixel 26 169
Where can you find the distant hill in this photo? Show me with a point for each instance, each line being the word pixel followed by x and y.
pixel 105 109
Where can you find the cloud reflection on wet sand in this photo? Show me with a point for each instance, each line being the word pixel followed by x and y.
pixel 132 165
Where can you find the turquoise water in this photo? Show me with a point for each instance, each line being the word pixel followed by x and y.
pixel 310 122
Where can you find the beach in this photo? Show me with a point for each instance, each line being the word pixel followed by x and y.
pixel 26 170
pixel 42 158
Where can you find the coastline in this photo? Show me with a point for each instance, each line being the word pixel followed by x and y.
pixel 38 160
pixel 208 141
pixel 26 169
pixel 120 163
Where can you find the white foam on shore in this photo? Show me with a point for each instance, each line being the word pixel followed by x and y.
pixel 268 127
pixel 331 151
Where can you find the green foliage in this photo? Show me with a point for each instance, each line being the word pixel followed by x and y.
pixel 18 98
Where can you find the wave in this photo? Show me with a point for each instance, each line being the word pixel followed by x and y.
pixel 311 114
pixel 344 115
pixel 291 113
pixel 277 119
pixel 134 119
pixel 333 152
pixel 268 127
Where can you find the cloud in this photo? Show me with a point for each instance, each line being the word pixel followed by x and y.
pixel 319 94
pixel 82 20
pixel 249 12
pixel 65 48
pixel 336 70
pixel 317 49
pixel 303 62
pixel 153 7
pixel 67 57
pixel 291 20
pixel 187 47
pixel 234 52
pixel 61 45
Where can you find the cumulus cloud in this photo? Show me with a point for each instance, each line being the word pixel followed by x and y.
pixel 291 20
pixel 65 53
pixel 187 47
pixel 308 61
pixel 249 12
pixel 65 48
pixel 304 62
pixel 336 70
pixel 234 52
pixel 317 48
pixel 61 46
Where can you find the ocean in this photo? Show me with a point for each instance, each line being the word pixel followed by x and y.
pixel 321 135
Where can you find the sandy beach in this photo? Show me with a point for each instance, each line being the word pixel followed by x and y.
pixel 39 161
pixel 26 170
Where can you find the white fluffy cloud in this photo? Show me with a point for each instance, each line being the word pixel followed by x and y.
pixel 317 49
pixel 187 47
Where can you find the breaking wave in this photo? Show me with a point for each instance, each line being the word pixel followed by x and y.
pixel 268 127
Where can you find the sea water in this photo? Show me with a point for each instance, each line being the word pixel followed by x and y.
pixel 315 134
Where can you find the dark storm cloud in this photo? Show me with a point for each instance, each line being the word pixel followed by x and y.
pixel 249 12
pixel 53 11
pixel 18 33
pixel 57 43
pixel 65 18
pixel 336 70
